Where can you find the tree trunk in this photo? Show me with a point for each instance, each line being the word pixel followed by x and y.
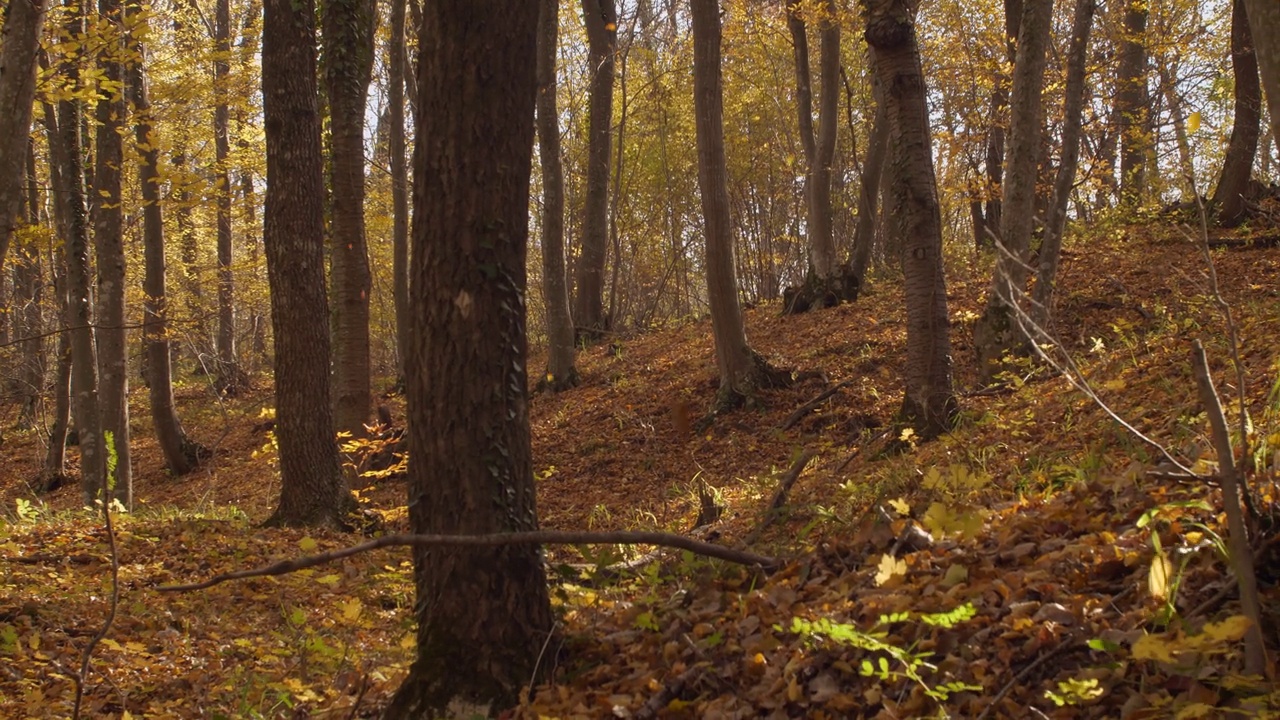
pixel 313 490
pixel 1072 112
pixel 869 193
pixel 180 454
pixel 108 230
pixel 929 402
pixel 399 184
pixel 19 43
pixel 54 472
pixel 822 247
pixel 600 17
pixel 484 616
pixel 229 374
pixel 28 293
pixel 561 373
pixel 348 61
pixel 996 332
pixel 1228 197
pixel 84 357
pixel 1133 103
pixel 1264 19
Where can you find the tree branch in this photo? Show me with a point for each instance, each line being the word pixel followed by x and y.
pixel 538 537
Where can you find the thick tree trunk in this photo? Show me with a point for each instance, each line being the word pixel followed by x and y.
pixel 484 616
pixel 84 357
pixel 561 373
pixel 19 43
pixel 313 490
pixel 348 60
pixel 1072 112
pixel 996 332
pixel 1264 24
pixel 108 231
pixel 180 454
pixel 1228 197
pixel 229 375
pixel 1133 103
pixel 600 18
pixel 399 183
pixel 929 402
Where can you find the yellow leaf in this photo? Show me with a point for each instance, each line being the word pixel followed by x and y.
pixel 329 580
pixel 308 544
pixel 900 506
pixel 1152 647
pixel 1229 630
pixel 1196 710
pixel 1193 122
pixel 351 609
pixel 1114 385
pixel 890 568
pixel 408 642
pixel 1158 577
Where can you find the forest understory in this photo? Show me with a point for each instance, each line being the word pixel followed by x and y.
pixel 1039 561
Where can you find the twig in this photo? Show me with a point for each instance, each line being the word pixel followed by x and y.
pixel 780 497
pixel 536 537
pixel 806 408
pixel 671 690
pixel 1255 651
pixel 83 673
pixel 1069 643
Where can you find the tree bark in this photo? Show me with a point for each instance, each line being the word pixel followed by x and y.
pixel 313 490
pixel 996 332
pixel 180 454
pixel 1072 112
pixel 869 186
pixel 600 18
pixel 399 183
pixel 229 374
pixel 19 43
pixel 483 613
pixel 561 373
pixel 54 472
pixel 822 247
pixel 1133 103
pixel 742 371
pixel 108 230
pixel 929 402
pixel 1264 19
pixel 348 61
pixel 28 292
pixel 1228 197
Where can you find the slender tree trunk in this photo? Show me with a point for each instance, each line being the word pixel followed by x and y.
pixel 561 373
pixel 180 454
pixel 28 290
pixel 929 402
pixel 822 247
pixel 313 490
pixel 399 183
pixel 869 193
pixel 348 61
pixel 742 371
pixel 484 616
pixel 19 43
pixel 108 230
pixel 1072 113
pixel 1133 103
pixel 600 18
pixel 229 374
pixel 84 372
pixel 54 471
pixel 804 93
pixel 996 332
pixel 1228 198
pixel 1264 19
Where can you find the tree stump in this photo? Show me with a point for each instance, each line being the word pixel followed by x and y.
pixel 819 292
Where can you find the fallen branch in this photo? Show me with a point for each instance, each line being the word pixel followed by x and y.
pixel 1069 643
pixel 780 497
pixel 537 537
pixel 808 407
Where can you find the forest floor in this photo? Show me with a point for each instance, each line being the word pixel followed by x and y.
pixel 1003 571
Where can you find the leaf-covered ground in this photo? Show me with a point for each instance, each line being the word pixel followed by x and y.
pixel 1003 571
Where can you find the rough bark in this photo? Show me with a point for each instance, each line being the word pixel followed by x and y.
pixel 1133 103
pixel 53 473
pixel 348 60
pixel 1264 19
pixel 28 295
pixel 108 230
pixel 19 43
pixel 996 332
pixel 1072 112
pixel 600 18
pixel 869 187
pixel 84 359
pixel 1228 197
pixel 929 402
pixel 742 371
pixel 822 246
pixel 561 373
pixel 229 375
pixel 399 182
pixel 180 454
pixel 313 490
pixel 483 613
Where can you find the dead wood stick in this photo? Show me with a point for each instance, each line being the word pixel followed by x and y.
pixel 1071 642
pixel 536 537
pixel 780 497
pixel 1255 651
pixel 806 408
